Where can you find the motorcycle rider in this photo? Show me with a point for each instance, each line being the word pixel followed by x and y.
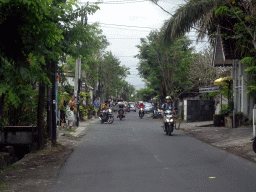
pixel 141 106
pixel 121 107
pixel 104 108
pixel 167 106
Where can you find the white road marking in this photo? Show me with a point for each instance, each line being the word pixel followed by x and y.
pixel 157 158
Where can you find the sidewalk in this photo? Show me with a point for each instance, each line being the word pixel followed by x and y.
pixel 39 169
pixel 234 140
pixel 80 130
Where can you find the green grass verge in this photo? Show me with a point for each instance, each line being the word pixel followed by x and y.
pixel 4 184
pixel 70 130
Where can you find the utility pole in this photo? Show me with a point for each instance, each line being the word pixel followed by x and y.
pixel 77 87
pixel 99 86
pixel 49 104
pixel 84 20
pixel 54 104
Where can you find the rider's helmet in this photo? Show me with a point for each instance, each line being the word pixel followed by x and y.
pixel 167 98
pixel 121 104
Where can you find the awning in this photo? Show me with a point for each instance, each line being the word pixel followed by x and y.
pixel 225 81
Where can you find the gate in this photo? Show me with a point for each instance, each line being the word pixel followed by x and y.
pixel 199 110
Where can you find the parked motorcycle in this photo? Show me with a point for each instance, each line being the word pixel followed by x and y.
pixel 157 113
pixel 141 112
pixel 168 122
pixel 107 117
pixel 254 144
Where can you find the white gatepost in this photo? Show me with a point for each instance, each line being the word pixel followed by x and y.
pixel 185 110
pixel 254 121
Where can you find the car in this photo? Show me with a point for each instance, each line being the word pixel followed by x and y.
pixel 132 106
pixel 148 108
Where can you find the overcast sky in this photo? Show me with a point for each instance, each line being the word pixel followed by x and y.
pixel 124 22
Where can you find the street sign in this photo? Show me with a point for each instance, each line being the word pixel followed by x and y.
pixel 208 89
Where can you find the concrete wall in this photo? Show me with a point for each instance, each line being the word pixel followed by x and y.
pixel 220 99
pixel 242 101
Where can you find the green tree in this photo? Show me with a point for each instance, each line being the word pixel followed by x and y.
pixel 112 74
pixel 145 94
pixel 165 67
pixel 42 32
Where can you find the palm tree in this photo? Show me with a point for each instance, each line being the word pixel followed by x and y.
pixel 195 14
pixel 201 15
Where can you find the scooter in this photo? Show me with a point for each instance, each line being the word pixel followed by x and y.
pixel 141 112
pixel 168 122
pixel 108 117
pixel 157 113
pixel 121 114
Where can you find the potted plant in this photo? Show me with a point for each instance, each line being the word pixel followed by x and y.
pixel 218 120
pixel 239 118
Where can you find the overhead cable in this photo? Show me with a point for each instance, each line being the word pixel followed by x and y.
pixel 125 26
pixel 113 2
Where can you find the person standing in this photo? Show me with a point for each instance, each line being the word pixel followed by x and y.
pixel 62 107
pixel 72 103
pixel 96 104
pixel 71 117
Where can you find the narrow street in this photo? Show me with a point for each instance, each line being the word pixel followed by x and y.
pixel 136 155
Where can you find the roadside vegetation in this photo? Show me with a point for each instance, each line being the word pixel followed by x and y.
pixel 49 36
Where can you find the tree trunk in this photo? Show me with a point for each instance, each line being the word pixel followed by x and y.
pixel 40 117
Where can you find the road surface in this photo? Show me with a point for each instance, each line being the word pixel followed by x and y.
pixel 135 155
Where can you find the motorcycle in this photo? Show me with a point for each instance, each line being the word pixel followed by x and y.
pixel 128 108
pixel 157 113
pixel 121 114
pixel 108 117
pixel 168 122
pixel 254 144
pixel 141 112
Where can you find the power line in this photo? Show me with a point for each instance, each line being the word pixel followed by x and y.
pixel 114 2
pixel 125 29
pixel 124 38
pixel 169 2
pixel 173 16
pixel 125 25
pixel 125 56
pixel 141 37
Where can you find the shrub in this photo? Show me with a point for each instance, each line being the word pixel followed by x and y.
pixel 225 110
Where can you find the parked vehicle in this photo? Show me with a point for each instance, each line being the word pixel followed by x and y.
pixel 254 144
pixel 141 112
pixel 149 108
pixel 106 116
pixel 168 122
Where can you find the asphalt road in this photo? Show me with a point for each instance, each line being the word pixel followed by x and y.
pixel 135 155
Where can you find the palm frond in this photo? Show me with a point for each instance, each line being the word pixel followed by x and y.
pixel 193 13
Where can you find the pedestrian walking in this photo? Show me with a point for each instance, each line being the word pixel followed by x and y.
pixel 96 104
